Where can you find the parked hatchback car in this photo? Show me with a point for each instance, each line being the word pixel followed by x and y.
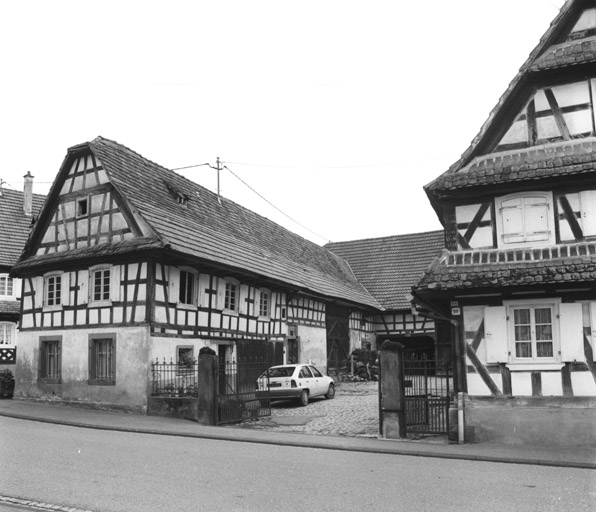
pixel 294 381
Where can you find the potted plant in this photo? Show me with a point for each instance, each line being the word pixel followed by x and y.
pixel 6 383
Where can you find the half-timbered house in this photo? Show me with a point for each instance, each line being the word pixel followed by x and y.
pixel 17 213
pixel 131 263
pixel 517 280
pixel 388 267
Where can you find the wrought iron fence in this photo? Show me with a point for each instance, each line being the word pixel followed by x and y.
pixel 175 379
pixel 237 391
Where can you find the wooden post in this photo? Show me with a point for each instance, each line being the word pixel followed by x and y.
pixel 391 391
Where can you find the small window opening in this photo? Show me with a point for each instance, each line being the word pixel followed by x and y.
pixel 82 207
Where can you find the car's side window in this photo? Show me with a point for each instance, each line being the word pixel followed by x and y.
pixel 316 372
pixel 305 373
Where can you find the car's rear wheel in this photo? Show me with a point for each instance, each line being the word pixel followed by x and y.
pixel 330 392
pixel 304 397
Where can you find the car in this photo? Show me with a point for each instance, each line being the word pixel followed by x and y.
pixel 294 381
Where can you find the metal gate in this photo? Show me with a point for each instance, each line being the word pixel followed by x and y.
pixel 427 386
pixel 236 386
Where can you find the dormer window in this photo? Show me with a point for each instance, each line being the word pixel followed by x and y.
pixel 179 196
pixel 525 219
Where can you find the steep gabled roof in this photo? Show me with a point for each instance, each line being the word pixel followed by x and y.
pixel 14 224
pixel 479 165
pixel 388 267
pixel 187 219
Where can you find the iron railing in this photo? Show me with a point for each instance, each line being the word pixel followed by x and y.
pixel 174 379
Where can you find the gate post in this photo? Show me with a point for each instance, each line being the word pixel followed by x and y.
pixel 207 387
pixel 392 402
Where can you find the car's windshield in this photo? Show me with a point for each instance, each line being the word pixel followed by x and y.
pixel 282 371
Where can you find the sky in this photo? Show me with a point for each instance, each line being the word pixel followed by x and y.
pixel 328 116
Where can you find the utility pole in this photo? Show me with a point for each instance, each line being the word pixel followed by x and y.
pixel 218 188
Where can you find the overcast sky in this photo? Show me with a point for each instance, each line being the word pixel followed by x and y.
pixel 337 112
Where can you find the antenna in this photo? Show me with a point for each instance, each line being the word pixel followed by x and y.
pixel 218 183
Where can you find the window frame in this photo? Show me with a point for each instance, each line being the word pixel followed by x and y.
pixel 525 236
pixel 533 305
pixel 5 282
pixel 264 292
pixel 226 296
pixel 10 327
pixel 102 301
pixel 45 375
pixel 57 278
pixel 188 271
pixel 94 379
pixel 80 201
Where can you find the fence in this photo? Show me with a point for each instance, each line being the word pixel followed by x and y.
pixel 174 379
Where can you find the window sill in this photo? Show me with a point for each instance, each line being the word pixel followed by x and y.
pixel 531 367
pixel 230 312
pixel 188 307
pixel 46 380
pixel 49 309
pixel 100 304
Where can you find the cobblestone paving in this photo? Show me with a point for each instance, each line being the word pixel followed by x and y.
pixel 353 412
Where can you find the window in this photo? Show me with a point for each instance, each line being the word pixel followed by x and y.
pixel 7 333
pixel 101 285
pixel 187 287
pixel 50 359
pixel 525 219
pixel 305 373
pixel 6 286
pixel 315 372
pixel 264 303
pixel 533 333
pixel 82 207
pixel 231 294
pixel 102 359
pixel 53 290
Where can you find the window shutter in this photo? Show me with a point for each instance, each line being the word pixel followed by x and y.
pixel 38 285
pixel 174 284
pixel 65 289
pixel 221 292
pixel 243 295
pixel 16 288
pixel 588 212
pixel 204 285
pixel 41 370
pixel 495 334
pixel 115 283
pixel 536 219
pixel 571 326
pixel 512 220
pixel 83 296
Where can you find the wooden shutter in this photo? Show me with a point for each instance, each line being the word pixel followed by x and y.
pixel 83 295
pixel 173 284
pixel 536 218
pixel 221 292
pixel 65 289
pixel 16 288
pixel 243 295
pixel 115 283
pixel 38 287
pixel 495 334
pixel 204 285
pixel 588 212
pixel 571 337
pixel 512 220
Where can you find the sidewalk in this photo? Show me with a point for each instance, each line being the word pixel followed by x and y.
pixel 109 420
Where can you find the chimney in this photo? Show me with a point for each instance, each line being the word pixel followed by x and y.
pixel 28 195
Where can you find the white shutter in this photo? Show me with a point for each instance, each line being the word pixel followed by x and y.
pixel 65 289
pixel 204 285
pixel 38 291
pixel 115 283
pixel 83 296
pixel 495 334
pixel 593 327
pixel 17 288
pixel 221 292
pixel 243 295
pixel 571 326
pixel 173 284
pixel 588 212
pixel 536 219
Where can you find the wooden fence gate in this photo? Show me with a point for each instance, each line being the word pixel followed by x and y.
pixel 427 385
